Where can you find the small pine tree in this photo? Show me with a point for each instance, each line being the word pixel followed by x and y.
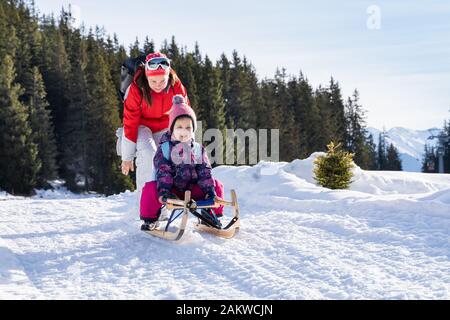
pixel 333 170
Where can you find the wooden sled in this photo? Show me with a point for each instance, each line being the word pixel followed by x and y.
pixel 187 206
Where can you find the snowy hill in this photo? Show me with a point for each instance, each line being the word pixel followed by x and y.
pixel 388 237
pixel 410 144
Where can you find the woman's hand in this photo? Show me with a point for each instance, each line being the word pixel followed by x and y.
pixel 127 166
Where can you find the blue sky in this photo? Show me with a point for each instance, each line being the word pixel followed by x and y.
pixel 396 53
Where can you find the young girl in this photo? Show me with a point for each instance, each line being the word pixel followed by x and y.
pixel 180 164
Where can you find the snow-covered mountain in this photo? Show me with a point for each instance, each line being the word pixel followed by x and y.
pixel 385 238
pixel 410 144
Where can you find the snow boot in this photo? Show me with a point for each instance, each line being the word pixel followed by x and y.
pixel 150 224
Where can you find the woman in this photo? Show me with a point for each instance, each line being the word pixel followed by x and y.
pixel 146 115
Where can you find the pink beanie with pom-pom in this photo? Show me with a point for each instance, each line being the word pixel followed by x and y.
pixel 179 109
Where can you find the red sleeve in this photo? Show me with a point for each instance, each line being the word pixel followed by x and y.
pixel 178 88
pixel 132 112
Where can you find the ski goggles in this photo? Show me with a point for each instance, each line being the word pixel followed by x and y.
pixel 156 63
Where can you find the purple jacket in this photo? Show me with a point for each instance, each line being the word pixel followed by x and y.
pixel 181 166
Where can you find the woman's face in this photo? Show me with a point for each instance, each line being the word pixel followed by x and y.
pixel 182 130
pixel 158 83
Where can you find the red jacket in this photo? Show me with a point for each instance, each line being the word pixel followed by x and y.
pixel 156 116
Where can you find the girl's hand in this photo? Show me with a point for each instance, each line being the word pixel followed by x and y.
pixel 127 166
pixel 210 196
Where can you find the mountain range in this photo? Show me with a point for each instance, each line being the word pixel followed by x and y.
pixel 410 144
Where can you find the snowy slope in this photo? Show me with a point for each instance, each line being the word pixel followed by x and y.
pixel 410 144
pixel 387 237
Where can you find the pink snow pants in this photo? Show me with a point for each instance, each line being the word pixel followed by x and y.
pixel 150 203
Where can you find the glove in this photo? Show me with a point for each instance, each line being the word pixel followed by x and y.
pixel 168 195
pixel 210 195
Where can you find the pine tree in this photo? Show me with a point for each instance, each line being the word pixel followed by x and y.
pixel 149 46
pixel 186 73
pixel 332 113
pixel 249 83
pixel 55 66
pixel 164 47
pixel 74 163
pixel 197 55
pixel 272 116
pixel 306 116
pixel 238 98
pixel 8 34
pixel 321 104
pixel 19 162
pixel 429 160
pixel 289 137
pixel 225 73
pixel 334 170
pixel 381 153
pixel 101 124
pixel 28 46
pixel 213 105
pixel 356 135
pixel 309 117
pixel 337 112
pixel 233 103
pixel 135 49
pixel 42 128
pixel 174 53
pixel 120 57
pixel 371 150
pixel 110 56
pixel 393 162
pixel 446 132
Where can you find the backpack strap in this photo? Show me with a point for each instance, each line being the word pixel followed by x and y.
pixel 165 147
pixel 198 152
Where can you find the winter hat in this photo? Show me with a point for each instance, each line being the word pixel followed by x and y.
pixel 181 108
pixel 160 71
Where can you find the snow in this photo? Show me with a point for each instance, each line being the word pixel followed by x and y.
pixel 387 237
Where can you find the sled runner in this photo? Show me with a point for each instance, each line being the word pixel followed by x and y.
pixel 206 222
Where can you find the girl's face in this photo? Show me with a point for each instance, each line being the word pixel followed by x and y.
pixel 158 83
pixel 182 130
